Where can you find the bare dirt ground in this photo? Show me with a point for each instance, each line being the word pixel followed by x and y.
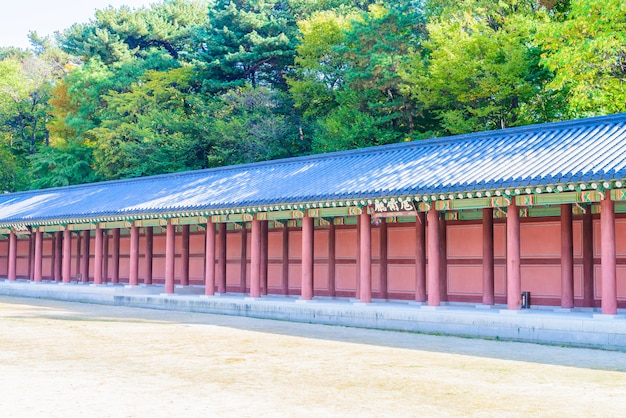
pixel 62 359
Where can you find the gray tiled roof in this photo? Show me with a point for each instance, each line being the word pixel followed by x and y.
pixel 584 150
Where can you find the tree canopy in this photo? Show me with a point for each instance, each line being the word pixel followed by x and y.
pixel 191 84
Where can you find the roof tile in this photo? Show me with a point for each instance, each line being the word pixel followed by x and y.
pixel 584 150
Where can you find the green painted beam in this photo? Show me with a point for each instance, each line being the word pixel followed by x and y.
pixel 461 204
pixel 81 226
pixel 151 222
pixel 566 198
pixel 620 207
pixel 470 215
pixel 234 217
pixel 52 228
pixel 535 212
pixel 115 224
pixel 191 220
pixel 279 215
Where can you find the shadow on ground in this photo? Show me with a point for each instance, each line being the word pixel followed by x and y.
pixel 505 350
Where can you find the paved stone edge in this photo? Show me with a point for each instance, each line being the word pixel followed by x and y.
pixel 565 329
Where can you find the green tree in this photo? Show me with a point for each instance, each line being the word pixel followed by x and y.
pixel 252 124
pixel 347 73
pixel 319 66
pixel 587 52
pixel 150 129
pixel 25 86
pixel 375 49
pixel 479 69
pixel 246 42
pixel 118 35
pixel 304 9
pixel 64 164
pixel 24 92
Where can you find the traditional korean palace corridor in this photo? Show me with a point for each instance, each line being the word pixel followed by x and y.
pixel 513 234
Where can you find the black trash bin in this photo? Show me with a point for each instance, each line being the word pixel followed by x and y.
pixel 525 300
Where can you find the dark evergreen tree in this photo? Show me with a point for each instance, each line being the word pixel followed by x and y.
pixel 246 42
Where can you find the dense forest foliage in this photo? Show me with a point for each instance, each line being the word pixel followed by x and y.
pixel 190 84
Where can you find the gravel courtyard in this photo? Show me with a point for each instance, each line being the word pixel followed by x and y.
pixel 65 359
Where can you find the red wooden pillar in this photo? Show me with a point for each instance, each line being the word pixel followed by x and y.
pixel 184 268
pixel 38 256
pixel 384 291
pixel 31 256
pixel 264 255
pixel 588 288
pixel 307 258
pixel 78 252
pixel 12 269
pixel 567 257
pixel 332 259
pixel 115 267
pixel 488 263
pixel 513 257
pixel 170 247
pixel 97 257
pixel 53 250
pixel 133 274
pixel 357 290
pixel 255 259
pixel 7 254
pixel 149 255
pixel 434 258
pixel 243 261
pixel 608 256
pixel 209 260
pixel 58 253
pixel 221 260
pixel 67 256
pixel 443 253
pixel 105 257
pixel 365 258
pixel 285 269
pixel 84 272
pixel 420 257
